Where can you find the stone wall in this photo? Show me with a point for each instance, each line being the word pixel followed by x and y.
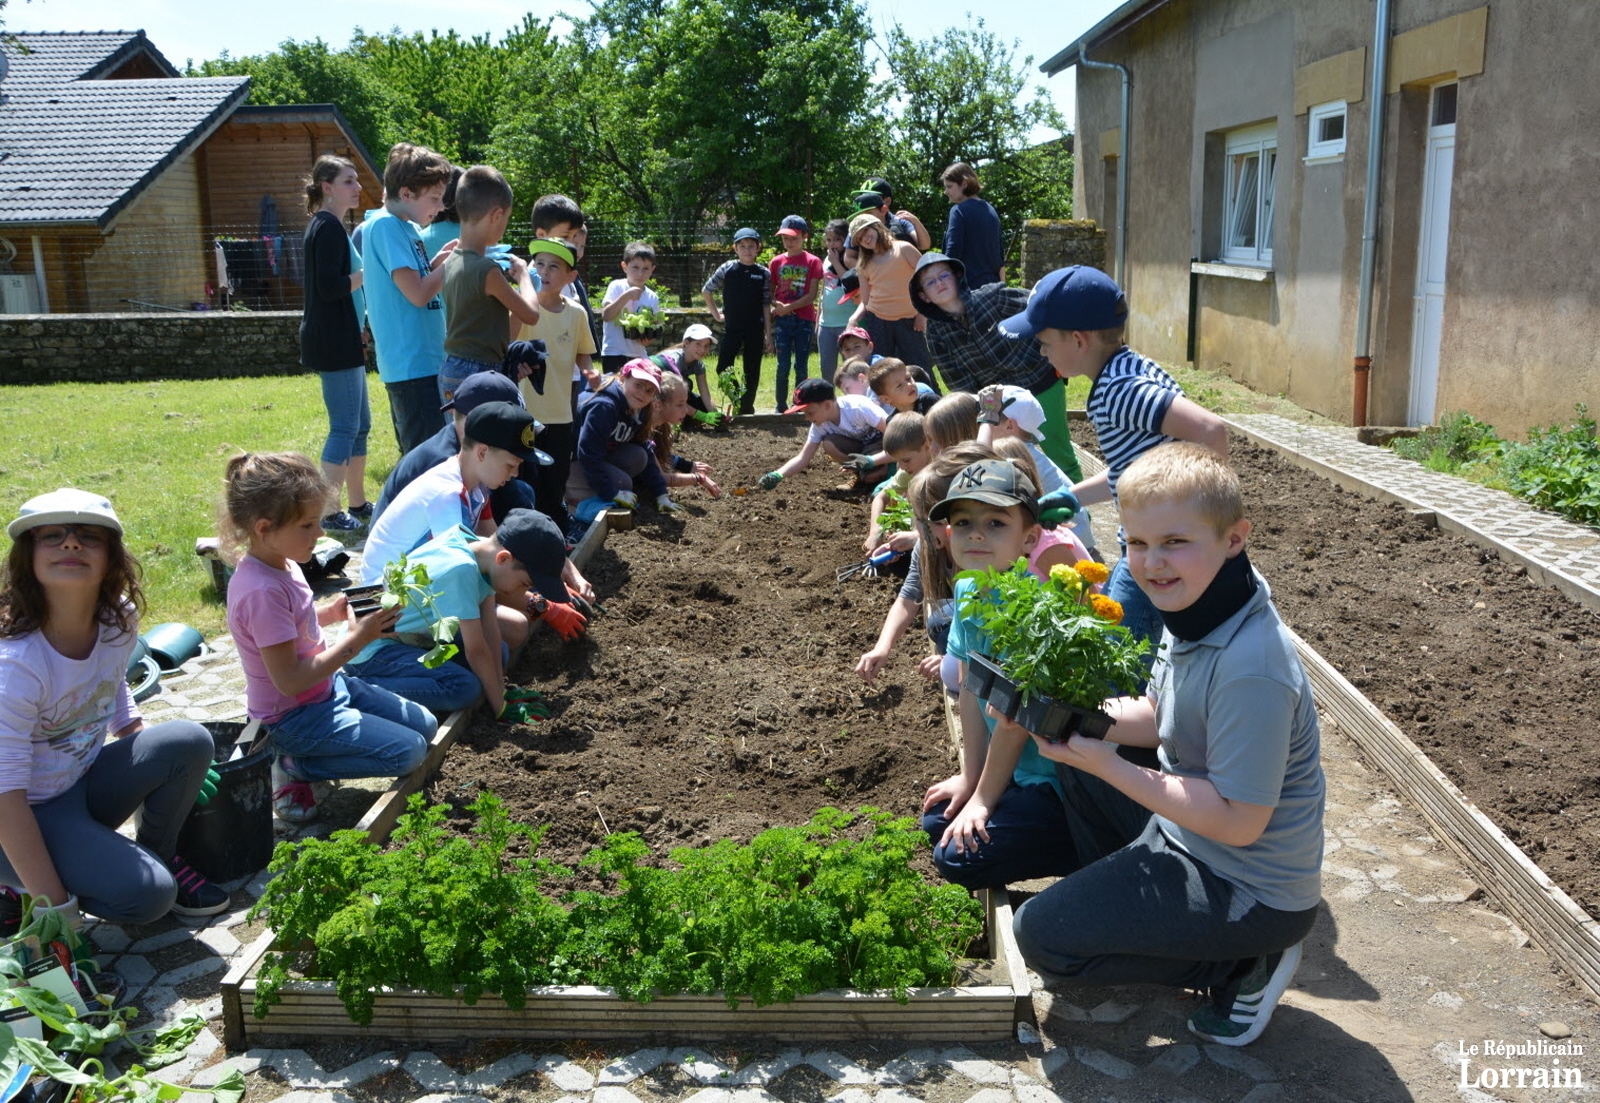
pixel 102 348
pixel 1048 244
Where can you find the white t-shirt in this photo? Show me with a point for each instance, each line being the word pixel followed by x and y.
pixel 612 342
pixel 56 712
pixel 858 416
pixel 435 502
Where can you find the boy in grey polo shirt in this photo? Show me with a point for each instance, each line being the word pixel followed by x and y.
pixel 1205 874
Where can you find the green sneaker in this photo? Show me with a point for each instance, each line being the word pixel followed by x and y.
pixel 1259 992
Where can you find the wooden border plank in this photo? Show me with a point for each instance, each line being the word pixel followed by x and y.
pixel 233 1010
pixel 1565 930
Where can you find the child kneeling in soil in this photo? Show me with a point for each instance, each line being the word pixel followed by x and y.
pixel 612 465
pixel 324 725
pixel 1205 873
pixel 1001 817
pixel 666 414
pixel 465 571
pixel 846 428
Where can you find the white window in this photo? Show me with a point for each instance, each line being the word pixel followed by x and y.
pixel 1325 132
pixel 1252 163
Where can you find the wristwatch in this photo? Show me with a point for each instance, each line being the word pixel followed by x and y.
pixel 537 604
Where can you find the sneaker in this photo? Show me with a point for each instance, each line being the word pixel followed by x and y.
pixel 196 895
pixel 293 799
pixel 340 522
pixel 362 512
pixel 10 911
pixel 1258 995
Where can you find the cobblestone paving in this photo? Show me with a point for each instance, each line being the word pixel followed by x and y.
pixel 1352 1027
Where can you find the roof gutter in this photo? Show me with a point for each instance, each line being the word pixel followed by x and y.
pixel 1121 273
pixel 1369 216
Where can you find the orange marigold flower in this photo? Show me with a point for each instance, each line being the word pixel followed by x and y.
pixel 1091 572
pixel 1106 608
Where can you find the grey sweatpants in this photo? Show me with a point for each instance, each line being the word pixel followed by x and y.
pixel 156 772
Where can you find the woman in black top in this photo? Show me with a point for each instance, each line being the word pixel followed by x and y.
pixel 331 342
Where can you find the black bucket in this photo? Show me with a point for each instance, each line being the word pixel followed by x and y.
pixel 230 836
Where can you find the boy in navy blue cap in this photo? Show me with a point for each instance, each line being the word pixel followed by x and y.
pixel 746 315
pixel 1080 318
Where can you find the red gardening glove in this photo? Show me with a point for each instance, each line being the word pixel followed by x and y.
pixel 567 621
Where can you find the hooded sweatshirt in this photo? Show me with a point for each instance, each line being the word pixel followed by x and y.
pixel 604 423
pixel 971 351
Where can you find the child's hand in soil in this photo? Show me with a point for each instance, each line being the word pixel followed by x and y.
pixel 567 621
pixel 770 480
pixel 665 504
pixel 929 667
pixel 954 790
pixel 858 463
pixel 627 499
pixel 868 665
pixel 523 712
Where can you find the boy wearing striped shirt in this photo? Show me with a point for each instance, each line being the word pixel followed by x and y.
pixel 1080 317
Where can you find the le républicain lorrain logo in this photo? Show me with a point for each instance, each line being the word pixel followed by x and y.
pixel 1536 1064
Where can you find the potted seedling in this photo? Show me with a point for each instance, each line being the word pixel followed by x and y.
pixel 409 583
pixel 645 325
pixel 1057 648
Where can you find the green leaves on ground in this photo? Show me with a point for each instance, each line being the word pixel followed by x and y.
pixel 798 909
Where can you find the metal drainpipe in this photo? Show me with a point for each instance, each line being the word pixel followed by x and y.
pixel 1122 160
pixel 1369 217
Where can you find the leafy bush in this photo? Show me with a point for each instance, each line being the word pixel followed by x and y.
pixel 896 515
pixel 1558 469
pixel 1457 440
pixel 798 909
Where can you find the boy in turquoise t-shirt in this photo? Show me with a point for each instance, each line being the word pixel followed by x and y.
pixel 402 286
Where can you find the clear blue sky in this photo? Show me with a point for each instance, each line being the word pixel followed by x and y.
pixel 184 29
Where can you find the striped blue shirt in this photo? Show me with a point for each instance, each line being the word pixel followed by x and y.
pixel 1127 404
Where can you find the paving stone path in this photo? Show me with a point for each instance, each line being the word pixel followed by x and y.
pixel 1406 965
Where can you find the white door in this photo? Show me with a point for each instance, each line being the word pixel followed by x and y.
pixel 1432 250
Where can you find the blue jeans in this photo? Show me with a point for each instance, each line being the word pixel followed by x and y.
pixel 344 393
pixel 156 772
pixel 828 350
pixel 1028 838
pixel 359 731
pixel 1140 910
pixel 397 667
pixel 1139 616
pixel 457 368
pixel 414 409
pixel 791 334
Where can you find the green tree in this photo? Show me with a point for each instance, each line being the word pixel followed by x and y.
pixel 961 96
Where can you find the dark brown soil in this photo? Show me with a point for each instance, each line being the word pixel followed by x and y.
pixel 717 697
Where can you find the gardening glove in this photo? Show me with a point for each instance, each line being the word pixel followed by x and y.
pixel 707 418
pixel 523 712
pixel 208 788
pixel 582 605
pixel 1057 507
pixel 666 505
pixel 627 499
pixel 991 403
pixel 524 693
pixel 859 462
pixel 567 621
pixel 770 480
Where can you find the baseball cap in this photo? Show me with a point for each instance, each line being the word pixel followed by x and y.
pixel 642 369
pixel 857 331
pixel 879 185
pixel 1073 298
pixel 745 233
pixel 1019 404
pixel 556 248
pixel 866 200
pixel 851 282
pixel 503 425
pixel 793 224
pixel 481 387
pixel 698 332
pixel 812 390
pixel 994 482
pixel 64 507
pixel 536 543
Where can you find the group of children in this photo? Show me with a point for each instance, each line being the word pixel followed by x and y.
pixel 1187 843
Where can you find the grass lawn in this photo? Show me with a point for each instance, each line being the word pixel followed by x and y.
pixel 157 450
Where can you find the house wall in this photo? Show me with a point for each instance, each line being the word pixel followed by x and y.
pixel 1522 315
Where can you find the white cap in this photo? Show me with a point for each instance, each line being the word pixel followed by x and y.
pixel 698 332
pixel 1018 404
pixel 64 507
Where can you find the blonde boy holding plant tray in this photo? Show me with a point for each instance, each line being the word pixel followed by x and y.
pixel 1204 873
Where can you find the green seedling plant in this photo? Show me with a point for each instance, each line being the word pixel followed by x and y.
pixel 642 323
pixel 833 903
pixel 410 583
pixel 730 381
pixel 1055 636
pixel 896 515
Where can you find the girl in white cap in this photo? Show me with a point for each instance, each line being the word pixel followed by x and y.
pixel 76 760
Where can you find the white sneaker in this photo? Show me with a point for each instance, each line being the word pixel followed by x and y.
pixel 293 799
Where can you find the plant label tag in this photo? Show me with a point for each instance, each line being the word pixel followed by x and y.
pixel 48 974
pixel 23 1023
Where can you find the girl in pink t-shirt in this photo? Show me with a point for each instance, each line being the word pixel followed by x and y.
pixel 76 761
pixel 324 725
